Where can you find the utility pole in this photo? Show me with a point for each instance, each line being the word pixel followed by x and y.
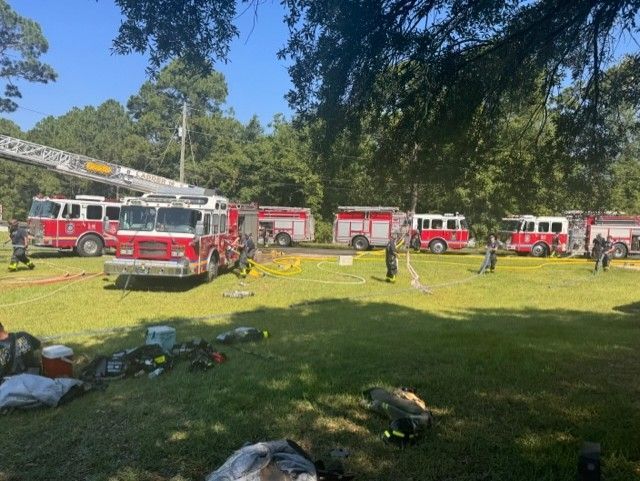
pixel 414 186
pixel 183 136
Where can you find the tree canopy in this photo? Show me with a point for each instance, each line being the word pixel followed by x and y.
pixel 21 45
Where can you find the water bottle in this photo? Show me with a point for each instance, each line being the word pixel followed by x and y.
pixel 154 374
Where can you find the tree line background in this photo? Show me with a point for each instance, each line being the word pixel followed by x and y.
pixel 397 132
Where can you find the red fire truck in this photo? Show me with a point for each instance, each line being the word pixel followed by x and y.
pixel 528 234
pixel 285 225
pixel 439 232
pixel 363 227
pixel 533 235
pixel 173 236
pixel 87 224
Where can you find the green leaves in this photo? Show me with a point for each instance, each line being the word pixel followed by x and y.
pixel 21 45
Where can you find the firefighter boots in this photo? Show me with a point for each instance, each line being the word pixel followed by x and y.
pixel 31 265
pixel 13 267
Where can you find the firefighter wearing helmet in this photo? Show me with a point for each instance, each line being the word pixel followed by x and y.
pixel 247 251
pixel 19 240
pixel 391 258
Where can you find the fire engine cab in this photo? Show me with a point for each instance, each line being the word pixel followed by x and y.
pixel 173 236
pixel 87 224
pixel 285 225
pixel 439 232
pixel 533 235
pixel 364 227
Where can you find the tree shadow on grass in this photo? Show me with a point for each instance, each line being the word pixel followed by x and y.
pixel 633 308
pixel 515 392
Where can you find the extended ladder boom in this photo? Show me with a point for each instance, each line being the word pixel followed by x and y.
pixel 91 169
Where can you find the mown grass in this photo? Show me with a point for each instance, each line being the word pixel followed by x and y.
pixel 519 367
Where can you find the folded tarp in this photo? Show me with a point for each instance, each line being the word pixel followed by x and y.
pixel 27 391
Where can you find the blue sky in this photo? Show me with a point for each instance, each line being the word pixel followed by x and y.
pixel 80 34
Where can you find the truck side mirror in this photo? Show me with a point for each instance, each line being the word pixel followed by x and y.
pixel 199 228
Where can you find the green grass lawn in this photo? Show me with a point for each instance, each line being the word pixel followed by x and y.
pixel 519 367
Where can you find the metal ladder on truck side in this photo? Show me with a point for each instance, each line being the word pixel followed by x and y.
pixel 84 167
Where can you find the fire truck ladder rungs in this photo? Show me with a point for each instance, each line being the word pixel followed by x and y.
pixel 18 150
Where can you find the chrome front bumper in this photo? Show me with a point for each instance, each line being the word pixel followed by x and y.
pixel 139 267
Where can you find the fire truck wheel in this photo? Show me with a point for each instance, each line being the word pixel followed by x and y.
pixel 438 247
pixel 283 239
pixel 539 250
pixel 360 243
pixel 619 251
pixel 212 268
pixel 90 246
pixel 415 242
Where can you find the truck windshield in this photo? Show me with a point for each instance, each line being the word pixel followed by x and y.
pixel 510 225
pixel 44 208
pixel 464 224
pixel 136 217
pixel 177 219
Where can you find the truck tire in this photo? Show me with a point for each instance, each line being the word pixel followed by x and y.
pixel 283 239
pixel 415 242
pixel 212 268
pixel 90 246
pixel 360 243
pixel 539 250
pixel 620 250
pixel 438 247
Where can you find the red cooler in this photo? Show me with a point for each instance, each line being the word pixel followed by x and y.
pixel 57 361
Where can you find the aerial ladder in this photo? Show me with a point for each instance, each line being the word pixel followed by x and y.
pixel 87 168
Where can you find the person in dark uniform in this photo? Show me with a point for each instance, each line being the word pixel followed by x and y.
pixel 391 258
pixel 607 252
pixel 19 352
pixel 247 251
pixel 490 257
pixel 597 252
pixel 19 240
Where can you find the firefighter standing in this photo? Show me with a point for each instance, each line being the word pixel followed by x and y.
pixel 19 240
pixel 598 251
pixel 247 251
pixel 490 257
pixel 555 245
pixel 607 252
pixel 391 258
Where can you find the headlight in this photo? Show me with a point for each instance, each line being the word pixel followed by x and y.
pixel 177 251
pixel 126 249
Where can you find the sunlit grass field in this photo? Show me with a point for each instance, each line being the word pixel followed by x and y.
pixel 519 367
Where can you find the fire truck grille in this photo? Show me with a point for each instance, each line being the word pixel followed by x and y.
pixel 152 249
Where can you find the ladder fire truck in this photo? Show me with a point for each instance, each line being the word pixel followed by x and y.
pixel 528 234
pixel 285 225
pixel 439 232
pixel 364 227
pixel 175 229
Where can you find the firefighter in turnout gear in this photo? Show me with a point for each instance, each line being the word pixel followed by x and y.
pixel 491 257
pixel 597 252
pixel 247 251
pixel 607 252
pixel 391 258
pixel 19 240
